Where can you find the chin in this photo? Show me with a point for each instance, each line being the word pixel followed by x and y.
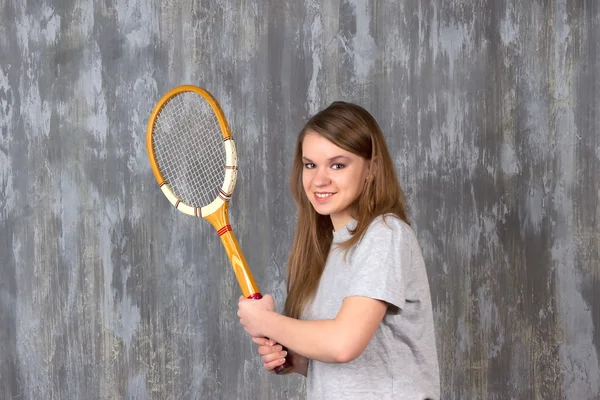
pixel 325 214
pixel 322 211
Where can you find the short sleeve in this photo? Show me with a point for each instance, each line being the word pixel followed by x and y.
pixel 378 261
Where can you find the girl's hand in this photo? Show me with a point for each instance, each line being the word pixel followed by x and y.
pixel 252 313
pixel 272 356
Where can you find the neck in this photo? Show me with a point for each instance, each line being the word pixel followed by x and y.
pixel 339 221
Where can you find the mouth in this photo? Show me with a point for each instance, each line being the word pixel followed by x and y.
pixel 322 197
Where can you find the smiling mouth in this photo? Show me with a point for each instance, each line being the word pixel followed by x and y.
pixel 322 197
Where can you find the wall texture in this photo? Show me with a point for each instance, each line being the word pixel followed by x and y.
pixel 492 112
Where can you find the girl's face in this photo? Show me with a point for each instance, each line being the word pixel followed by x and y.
pixel 332 177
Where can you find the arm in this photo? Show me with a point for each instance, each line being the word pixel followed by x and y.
pixel 337 340
pixel 377 273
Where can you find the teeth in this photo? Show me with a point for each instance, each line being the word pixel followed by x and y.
pixel 322 195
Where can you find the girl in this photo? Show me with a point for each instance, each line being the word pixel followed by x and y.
pixel 358 318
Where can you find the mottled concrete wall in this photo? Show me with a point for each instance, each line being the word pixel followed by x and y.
pixel 492 111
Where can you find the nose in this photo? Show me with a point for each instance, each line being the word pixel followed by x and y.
pixel 321 178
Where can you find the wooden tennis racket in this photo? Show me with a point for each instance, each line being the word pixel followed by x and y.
pixel 193 157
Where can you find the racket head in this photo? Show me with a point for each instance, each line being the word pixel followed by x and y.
pixel 192 151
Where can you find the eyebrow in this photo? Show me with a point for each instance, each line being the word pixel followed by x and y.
pixel 336 158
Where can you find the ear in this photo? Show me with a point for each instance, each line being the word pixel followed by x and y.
pixel 372 168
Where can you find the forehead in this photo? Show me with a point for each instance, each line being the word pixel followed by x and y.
pixel 316 146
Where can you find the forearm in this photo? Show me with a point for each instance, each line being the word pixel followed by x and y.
pixel 338 340
pixel 316 340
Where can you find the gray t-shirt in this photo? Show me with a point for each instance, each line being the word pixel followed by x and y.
pixel 400 361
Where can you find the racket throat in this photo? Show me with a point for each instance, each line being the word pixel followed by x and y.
pixel 220 221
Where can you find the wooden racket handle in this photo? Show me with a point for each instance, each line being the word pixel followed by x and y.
pixel 287 365
pixel 238 262
pixel 220 221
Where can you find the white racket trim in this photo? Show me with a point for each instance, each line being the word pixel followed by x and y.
pixel 226 188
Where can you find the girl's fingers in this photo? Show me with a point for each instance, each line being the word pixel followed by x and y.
pixel 272 354
pixel 272 357
pixel 274 364
pixel 262 341
pixel 263 350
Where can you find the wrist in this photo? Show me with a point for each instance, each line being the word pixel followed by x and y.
pixel 267 323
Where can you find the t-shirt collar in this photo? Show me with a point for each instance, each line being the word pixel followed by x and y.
pixel 343 234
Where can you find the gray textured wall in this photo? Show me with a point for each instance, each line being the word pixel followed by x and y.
pixel 492 111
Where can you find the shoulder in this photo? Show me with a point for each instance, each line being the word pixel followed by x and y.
pixel 389 226
pixel 386 233
pixel 385 248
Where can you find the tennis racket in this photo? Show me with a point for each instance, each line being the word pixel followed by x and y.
pixel 193 157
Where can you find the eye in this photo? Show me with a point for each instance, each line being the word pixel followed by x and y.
pixel 337 166
pixel 309 165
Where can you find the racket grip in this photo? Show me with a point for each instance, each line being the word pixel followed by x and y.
pixel 287 365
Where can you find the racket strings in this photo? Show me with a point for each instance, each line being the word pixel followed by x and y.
pixel 189 149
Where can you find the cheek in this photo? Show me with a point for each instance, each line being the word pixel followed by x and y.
pixel 305 181
pixel 354 184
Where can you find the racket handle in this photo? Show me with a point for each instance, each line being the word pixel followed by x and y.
pixel 287 365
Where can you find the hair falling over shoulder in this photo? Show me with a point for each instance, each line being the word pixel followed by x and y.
pixel 353 129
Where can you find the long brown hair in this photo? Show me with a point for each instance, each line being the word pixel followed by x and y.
pixel 353 129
